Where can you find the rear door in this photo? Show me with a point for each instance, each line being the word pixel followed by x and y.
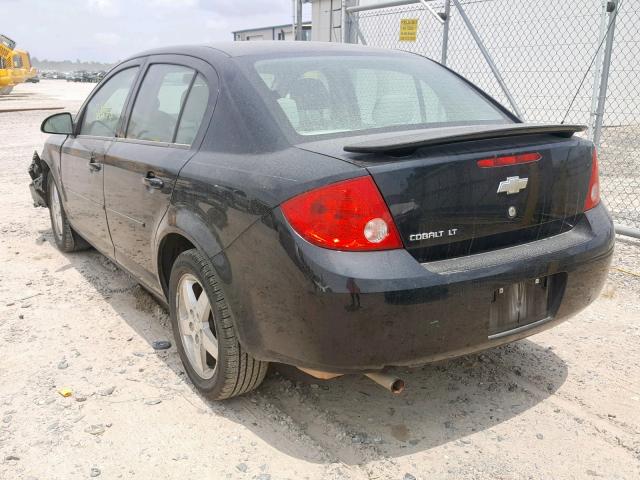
pixel 82 156
pixel 164 127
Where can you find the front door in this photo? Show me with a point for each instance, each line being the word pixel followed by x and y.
pixel 83 155
pixel 142 165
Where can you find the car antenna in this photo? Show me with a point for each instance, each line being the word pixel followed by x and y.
pixel 595 55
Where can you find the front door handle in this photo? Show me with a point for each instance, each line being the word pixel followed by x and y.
pixel 152 181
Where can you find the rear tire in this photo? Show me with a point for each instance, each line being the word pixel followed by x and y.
pixel 204 332
pixel 67 240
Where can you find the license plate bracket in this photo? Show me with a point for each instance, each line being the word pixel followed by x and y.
pixel 522 303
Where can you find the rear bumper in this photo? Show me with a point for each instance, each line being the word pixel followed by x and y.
pixel 296 303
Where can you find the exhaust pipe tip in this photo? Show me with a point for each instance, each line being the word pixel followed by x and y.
pixel 397 387
pixel 390 382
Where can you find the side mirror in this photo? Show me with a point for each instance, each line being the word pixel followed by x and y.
pixel 60 123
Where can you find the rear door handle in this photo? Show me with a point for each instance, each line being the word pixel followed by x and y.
pixel 93 166
pixel 152 181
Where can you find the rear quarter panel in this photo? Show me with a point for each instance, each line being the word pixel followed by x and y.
pixel 219 195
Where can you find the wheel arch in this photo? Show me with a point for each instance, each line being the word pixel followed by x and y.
pixel 48 164
pixel 182 229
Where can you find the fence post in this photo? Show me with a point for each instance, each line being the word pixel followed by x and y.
pixel 487 57
pixel 435 14
pixel 445 32
pixel 344 24
pixel 354 29
pixel 299 33
pixel 604 79
pixel 293 19
pixel 597 70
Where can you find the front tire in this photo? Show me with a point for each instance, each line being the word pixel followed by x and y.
pixel 204 332
pixel 65 237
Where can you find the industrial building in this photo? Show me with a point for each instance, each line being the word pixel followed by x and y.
pixel 276 32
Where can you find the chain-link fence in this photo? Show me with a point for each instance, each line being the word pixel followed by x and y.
pixel 551 57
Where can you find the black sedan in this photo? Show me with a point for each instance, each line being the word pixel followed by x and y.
pixel 338 208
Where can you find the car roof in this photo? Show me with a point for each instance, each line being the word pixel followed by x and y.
pixel 266 48
pixel 269 47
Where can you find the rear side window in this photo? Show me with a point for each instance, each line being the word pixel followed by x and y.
pixel 157 108
pixel 102 115
pixel 193 112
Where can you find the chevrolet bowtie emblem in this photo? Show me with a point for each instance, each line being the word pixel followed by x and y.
pixel 512 185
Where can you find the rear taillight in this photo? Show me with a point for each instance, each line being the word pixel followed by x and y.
pixel 593 194
pixel 348 215
pixel 505 160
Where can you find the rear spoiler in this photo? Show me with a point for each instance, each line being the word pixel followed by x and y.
pixel 447 135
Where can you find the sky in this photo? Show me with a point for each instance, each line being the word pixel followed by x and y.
pixel 110 30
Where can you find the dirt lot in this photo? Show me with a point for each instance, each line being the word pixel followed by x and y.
pixel 562 404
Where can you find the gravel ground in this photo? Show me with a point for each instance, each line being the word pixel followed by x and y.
pixel 562 404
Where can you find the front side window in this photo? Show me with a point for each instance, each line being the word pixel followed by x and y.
pixel 103 112
pixel 330 94
pixel 157 107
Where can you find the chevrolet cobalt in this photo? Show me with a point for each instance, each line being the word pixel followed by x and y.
pixel 338 208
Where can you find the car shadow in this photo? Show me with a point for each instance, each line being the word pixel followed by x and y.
pixel 350 419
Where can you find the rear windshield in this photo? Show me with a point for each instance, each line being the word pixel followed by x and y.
pixel 323 95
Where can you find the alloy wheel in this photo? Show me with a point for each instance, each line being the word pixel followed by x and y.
pixel 197 331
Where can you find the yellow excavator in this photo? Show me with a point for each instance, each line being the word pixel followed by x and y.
pixel 15 65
